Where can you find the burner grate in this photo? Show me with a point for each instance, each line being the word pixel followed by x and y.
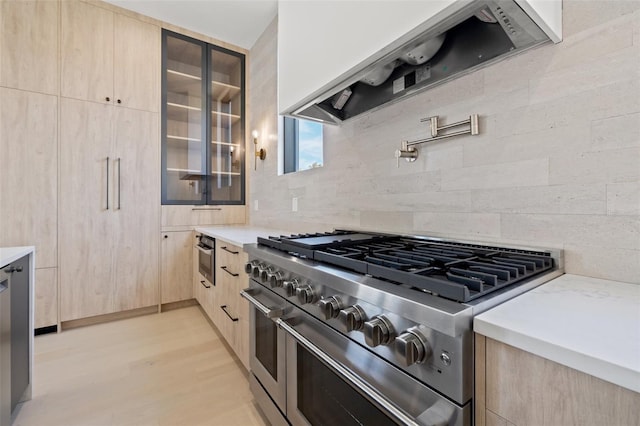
pixel 456 271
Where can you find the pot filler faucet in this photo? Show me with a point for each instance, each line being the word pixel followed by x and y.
pixel 410 153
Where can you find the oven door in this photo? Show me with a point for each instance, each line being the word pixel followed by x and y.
pixel 267 341
pixel 206 260
pixel 332 380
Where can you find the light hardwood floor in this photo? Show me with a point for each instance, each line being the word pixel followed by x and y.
pixel 159 369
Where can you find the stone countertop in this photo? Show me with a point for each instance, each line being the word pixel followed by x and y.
pixel 239 235
pixel 588 324
pixel 11 254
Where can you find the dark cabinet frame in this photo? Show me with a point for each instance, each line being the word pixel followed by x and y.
pixel 207 65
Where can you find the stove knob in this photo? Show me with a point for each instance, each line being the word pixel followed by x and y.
pixel 258 270
pixel 290 286
pixel 276 279
pixel 305 294
pixel 352 318
pixel 265 273
pixel 412 347
pixel 249 266
pixel 330 307
pixel 378 331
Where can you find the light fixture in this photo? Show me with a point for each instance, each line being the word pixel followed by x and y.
pixel 260 153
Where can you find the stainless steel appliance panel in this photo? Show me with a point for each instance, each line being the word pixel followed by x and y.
pixel 206 257
pixel 321 361
pixel 267 357
pixel 20 332
pixel 5 350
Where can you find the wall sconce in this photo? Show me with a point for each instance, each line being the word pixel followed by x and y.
pixel 260 153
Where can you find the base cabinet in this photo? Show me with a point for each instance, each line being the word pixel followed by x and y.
pixel 177 266
pixel 517 388
pixel 221 299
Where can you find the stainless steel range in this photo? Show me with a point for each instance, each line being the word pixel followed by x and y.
pixel 360 328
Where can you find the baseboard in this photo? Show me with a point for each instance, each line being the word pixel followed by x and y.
pixel 178 305
pixel 83 322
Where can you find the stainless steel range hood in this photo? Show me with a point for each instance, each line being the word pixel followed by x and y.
pixel 479 34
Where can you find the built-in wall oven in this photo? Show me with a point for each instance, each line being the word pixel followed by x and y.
pixel 206 257
pixel 365 328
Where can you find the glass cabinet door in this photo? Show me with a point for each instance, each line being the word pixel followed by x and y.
pixel 184 117
pixel 203 111
pixel 226 103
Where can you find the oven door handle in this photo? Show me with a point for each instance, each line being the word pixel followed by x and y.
pixel 349 376
pixel 207 252
pixel 267 312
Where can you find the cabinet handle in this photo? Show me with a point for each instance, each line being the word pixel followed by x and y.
pixel 204 209
pixel 108 182
pixel 229 251
pixel 118 183
pixel 119 101
pixel 224 268
pixel 204 284
pixel 108 99
pixel 224 308
pixel 12 269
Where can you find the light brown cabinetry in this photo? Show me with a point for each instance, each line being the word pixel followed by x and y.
pixel 28 187
pixel 231 311
pixel 108 57
pixel 29 45
pixel 46 298
pixel 221 300
pixel 109 214
pixel 517 388
pixel 177 266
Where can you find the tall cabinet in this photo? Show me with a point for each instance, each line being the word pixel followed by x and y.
pixel 109 163
pixel 28 141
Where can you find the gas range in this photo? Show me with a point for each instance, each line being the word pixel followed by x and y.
pixel 410 300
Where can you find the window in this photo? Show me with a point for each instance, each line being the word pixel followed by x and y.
pixel 302 144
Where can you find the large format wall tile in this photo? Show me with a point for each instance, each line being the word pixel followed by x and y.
pixel 556 163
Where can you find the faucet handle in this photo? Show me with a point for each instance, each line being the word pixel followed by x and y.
pixel 405 151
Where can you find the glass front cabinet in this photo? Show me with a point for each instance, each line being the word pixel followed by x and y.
pixel 203 122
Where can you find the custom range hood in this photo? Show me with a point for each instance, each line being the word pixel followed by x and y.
pixel 475 35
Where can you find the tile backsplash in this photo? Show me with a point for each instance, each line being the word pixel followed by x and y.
pixel 556 164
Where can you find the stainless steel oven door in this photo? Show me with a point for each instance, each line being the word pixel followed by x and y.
pixel 267 341
pixel 333 380
pixel 206 260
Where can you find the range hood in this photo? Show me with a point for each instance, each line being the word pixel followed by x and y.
pixel 476 35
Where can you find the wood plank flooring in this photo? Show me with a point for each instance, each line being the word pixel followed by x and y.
pixel 168 369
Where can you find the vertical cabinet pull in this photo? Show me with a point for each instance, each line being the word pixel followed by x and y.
pixel 119 183
pixel 108 183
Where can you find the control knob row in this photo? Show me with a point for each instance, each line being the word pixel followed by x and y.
pixel 266 273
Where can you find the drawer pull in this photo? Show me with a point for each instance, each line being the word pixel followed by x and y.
pixel 204 284
pixel 224 308
pixel 229 251
pixel 224 268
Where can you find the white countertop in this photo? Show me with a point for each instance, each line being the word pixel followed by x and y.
pixel 10 254
pixel 588 324
pixel 239 235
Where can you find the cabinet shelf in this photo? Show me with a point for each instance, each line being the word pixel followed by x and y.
pixel 225 143
pixel 213 172
pixel 192 84
pixel 223 91
pixel 233 117
pixel 182 138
